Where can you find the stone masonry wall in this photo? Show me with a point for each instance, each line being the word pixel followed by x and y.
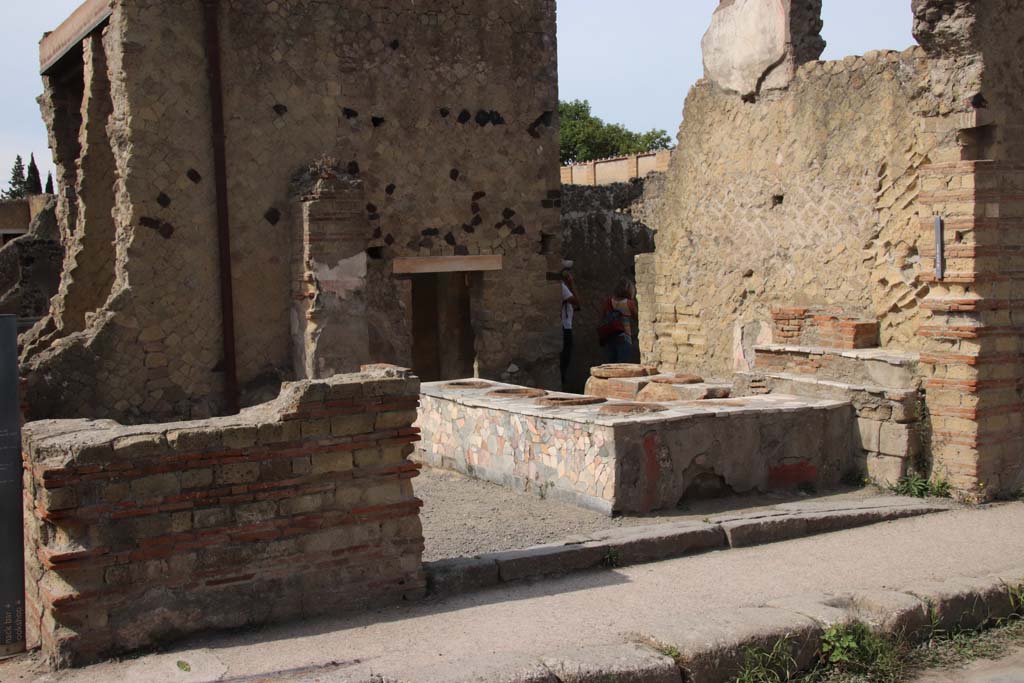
pixel 14 215
pixel 30 268
pixel 302 506
pixel 602 236
pixel 809 193
pixel 803 198
pixel 617 457
pixel 433 105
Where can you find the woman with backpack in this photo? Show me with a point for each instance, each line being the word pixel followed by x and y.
pixel 618 318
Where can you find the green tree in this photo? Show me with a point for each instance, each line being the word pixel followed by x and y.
pixel 33 183
pixel 49 183
pixel 16 185
pixel 586 137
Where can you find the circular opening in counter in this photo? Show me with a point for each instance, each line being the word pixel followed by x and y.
pixel 631 409
pixel 620 371
pixel 517 392
pixel 570 401
pixel 678 379
pixel 468 384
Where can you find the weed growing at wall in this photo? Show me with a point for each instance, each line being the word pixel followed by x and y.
pixel 916 486
pixel 855 654
pixel 768 666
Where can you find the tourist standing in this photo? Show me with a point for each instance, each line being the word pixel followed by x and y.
pixel 570 304
pixel 618 318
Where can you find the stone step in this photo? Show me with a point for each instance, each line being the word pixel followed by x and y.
pixel 657 542
pixel 884 368
pixel 870 401
pixel 888 429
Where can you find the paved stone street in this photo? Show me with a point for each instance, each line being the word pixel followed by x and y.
pixel 512 628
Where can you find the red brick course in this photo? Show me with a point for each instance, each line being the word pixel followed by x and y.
pixel 972 346
pixel 828 327
pixel 135 535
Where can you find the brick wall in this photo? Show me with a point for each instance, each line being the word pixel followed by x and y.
pixel 616 170
pixel 828 327
pixel 973 346
pixel 137 535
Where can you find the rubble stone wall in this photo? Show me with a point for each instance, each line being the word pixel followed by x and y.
pixel 30 268
pixel 302 506
pixel 432 105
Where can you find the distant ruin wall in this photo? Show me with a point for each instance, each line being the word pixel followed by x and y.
pixel 602 235
pixel 14 215
pixel 616 170
pixel 456 149
pixel 299 507
pixel 30 268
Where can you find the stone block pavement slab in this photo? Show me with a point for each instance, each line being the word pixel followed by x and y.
pixel 582 624
pixel 636 545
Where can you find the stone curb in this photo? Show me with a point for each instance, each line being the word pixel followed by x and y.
pixel 623 547
pixel 915 613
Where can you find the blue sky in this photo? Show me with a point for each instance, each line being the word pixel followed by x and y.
pixel 634 60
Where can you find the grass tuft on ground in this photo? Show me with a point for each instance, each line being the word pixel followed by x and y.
pixel 855 654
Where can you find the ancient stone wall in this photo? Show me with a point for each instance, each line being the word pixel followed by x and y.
pixel 419 101
pixel 298 507
pixel 806 198
pixel 14 216
pixel 30 268
pixel 602 237
pixel 823 196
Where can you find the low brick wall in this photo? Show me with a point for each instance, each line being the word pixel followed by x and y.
pixel 302 506
pixel 828 327
pixel 635 462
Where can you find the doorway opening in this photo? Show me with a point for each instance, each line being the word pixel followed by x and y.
pixel 443 346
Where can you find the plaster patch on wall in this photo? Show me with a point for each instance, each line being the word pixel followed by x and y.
pixel 348 276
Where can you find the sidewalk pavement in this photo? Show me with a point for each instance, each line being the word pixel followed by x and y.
pixel 1010 669
pixel 508 632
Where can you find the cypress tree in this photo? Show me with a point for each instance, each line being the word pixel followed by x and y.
pixel 16 185
pixel 33 183
pixel 49 183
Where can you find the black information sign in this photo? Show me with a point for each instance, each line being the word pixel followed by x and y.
pixel 12 560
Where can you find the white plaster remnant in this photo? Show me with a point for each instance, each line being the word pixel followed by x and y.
pixel 348 276
pixel 746 40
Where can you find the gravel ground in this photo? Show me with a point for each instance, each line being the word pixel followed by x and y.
pixel 463 517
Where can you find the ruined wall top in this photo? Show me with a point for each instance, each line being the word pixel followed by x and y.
pixel 945 26
pixel 755 45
